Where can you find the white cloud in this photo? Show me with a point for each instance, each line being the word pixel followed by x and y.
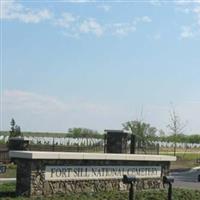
pixel 143 19
pixel 32 102
pixel 66 20
pixel 75 26
pixel 71 25
pixel 34 111
pixel 106 8
pixel 123 29
pixel 183 10
pixel 16 100
pixel 146 19
pixel 11 10
pixel 71 34
pixel 186 2
pixel 38 112
pixel 187 32
pixel 81 1
pixel 183 2
pixel 197 12
pixel 155 2
pixel 192 7
pixel 91 26
pixel 157 36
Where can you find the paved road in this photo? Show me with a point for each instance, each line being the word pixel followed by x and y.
pixel 187 179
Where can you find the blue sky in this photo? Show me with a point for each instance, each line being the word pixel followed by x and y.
pixel 98 64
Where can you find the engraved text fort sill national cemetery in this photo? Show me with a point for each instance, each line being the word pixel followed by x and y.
pixel 100 172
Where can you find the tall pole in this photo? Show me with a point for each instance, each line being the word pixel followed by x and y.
pixel 131 192
pixel 133 144
pixel 170 192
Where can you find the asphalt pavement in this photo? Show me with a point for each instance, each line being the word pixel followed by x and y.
pixel 187 179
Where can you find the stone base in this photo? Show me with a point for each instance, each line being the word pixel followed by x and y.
pixel 31 173
pixel 72 187
pixel 31 181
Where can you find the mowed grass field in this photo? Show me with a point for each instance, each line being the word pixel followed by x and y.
pixel 185 160
pixel 10 172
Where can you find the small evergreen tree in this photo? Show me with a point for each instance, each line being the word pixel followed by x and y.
pixel 12 124
pixel 15 130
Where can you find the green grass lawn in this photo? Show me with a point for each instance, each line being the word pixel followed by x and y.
pixel 10 172
pixel 183 155
pixel 178 194
pixel 184 160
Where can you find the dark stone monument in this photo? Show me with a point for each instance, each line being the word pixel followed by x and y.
pixel 18 143
pixel 116 141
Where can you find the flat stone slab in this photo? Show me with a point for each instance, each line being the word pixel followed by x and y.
pixel 87 156
pixel 7 180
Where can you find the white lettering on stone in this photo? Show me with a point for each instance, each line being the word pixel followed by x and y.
pixel 54 173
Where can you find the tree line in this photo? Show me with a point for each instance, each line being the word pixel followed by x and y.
pixel 144 132
pixel 181 138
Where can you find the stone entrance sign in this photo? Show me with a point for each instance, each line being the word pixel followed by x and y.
pixel 48 173
pixel 53 173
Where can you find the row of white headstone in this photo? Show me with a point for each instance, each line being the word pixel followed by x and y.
pixel 90 141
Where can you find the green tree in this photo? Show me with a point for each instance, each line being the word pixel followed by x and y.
pixel 15 130
pixel 12 124
pixel 161 135
pixel 193 138
pixel 83 133
pixel 176 128
pixel 143 131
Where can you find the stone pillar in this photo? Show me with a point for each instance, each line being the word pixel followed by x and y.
pixel 23 178
pixel 18 143
pixel 116 141
pixel 133 144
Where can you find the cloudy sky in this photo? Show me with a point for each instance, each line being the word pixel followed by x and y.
pixel 97 64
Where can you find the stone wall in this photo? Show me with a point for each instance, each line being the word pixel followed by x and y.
pixel 31 177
